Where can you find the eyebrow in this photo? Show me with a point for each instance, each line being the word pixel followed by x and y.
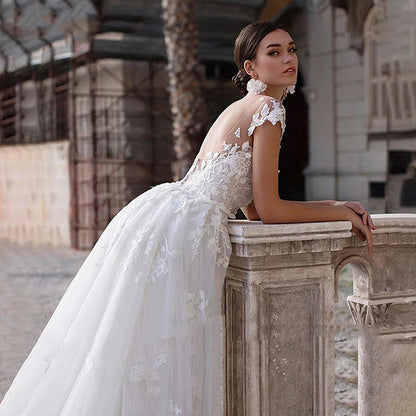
pixel 278 44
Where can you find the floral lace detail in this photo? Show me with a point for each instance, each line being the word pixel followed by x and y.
pixel 158 244
pixel 195 302
pixel 174 409
pixel 274 114
pixel 140 236
pixel 89 363
pixel 155 244
pixel 149 372
pixel 222 177
pixel 237 133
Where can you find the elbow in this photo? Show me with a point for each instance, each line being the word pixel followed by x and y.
pixel 270 219
pixel 253 217
pixel 270 211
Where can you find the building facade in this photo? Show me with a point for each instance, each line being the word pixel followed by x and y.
pixel 84 110
pixel 359 64
pixel 85 122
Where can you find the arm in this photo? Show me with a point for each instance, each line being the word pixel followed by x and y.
pixel 250 211
pixel 355 206
pixel 271 209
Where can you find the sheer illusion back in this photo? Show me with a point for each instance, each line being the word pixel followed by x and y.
pixel 222 169
pixel 139 330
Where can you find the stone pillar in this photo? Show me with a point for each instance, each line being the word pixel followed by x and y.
pixel 384 306
pixel 279 295
pixel 320 174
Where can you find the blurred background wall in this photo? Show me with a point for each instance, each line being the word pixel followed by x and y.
pixel 85 118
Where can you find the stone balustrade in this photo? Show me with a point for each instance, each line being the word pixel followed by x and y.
pixel 279 296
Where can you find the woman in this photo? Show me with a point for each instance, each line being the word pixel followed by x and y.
pixel 139 331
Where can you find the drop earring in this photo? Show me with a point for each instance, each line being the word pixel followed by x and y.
pixel 286 90
pixel 291 88
pixel 256 86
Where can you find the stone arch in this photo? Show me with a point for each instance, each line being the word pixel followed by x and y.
pixel 357 11
pixel 361 270
pixel 375 14
pixel 346 332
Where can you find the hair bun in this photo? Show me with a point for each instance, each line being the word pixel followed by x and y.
pixel 240 79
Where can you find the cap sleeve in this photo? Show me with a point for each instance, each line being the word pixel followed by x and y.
pixel 271 110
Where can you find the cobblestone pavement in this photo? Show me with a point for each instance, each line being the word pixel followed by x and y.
pixel 346 340
pixel 33 279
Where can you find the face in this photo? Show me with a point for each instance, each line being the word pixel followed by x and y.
pixel 276 54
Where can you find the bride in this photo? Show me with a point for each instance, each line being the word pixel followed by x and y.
pixel 139 331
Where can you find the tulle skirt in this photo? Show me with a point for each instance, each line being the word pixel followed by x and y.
pixel 139 331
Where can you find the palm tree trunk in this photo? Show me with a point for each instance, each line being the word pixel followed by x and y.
pixel 187 105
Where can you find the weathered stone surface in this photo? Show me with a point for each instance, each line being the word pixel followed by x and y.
pixel 287 277
pixel 34 184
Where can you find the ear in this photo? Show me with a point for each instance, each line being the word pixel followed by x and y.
pixel 249 68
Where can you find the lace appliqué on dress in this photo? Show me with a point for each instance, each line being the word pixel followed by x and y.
pixel 154 243
pixel 195 302
pixel 174 409
pixel 148 372
pixel 222 183
pixel 274 114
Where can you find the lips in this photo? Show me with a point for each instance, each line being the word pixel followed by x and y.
pixel 290 68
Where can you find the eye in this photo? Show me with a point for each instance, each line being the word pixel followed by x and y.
pixel 293 49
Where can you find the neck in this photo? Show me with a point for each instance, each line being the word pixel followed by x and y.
pixel 275 92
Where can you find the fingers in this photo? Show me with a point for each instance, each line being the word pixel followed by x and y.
pixel 364 218
pixel 366 230
pixel 371 223
pixel 359 209
pixel 369 241
pixel 362 229
pixel 363 232
pixel 358 233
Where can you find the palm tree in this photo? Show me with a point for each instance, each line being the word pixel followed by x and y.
pixel 187 105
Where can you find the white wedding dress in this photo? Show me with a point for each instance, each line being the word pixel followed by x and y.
pixel 139 331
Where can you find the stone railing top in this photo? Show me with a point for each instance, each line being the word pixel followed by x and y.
pixel 399 222
pixel 255 232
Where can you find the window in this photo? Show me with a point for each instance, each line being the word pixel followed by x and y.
pixel 399 162
pixel 61 105
pixel 8 115
pixel 377 189
pixel 390 72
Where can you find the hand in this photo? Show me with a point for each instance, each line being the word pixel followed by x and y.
pixel 359 209
pixel 362 231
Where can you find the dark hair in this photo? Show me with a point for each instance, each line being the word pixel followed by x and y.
pixel 246 45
